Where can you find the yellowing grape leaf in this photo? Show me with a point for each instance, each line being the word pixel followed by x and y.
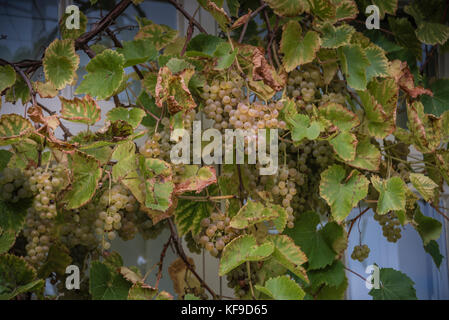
pixel 85 110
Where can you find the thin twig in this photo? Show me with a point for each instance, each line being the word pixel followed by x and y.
pixel 439 211
pixel 161 261
pixel 245 26
pixel 66 131
pixel 355 219
pixel 182 255
pixel 188 16
pixel 358 275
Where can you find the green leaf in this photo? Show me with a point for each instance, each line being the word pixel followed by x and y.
pixel 7 240
pixel 342 197
pixel 433 249
pixel 19 91
pixel 60 63
pixel 335 37
pixel 386 6
pixel 177 65
pixel 394 285
pixel 138 51
pixel 17 277
pixel 345 145
pixel 339 116
pixel 391 194
pixel 404 33
pixel 323 9
pixel 58 259
pixel 7 77
pixel 316 244
pixel 281 221
pixel 218 13
pixel 282 288
pixel 346 10
pixel 432 33
pixel 302 127
pixel 131 115
pixel 12 215
pixel 105 74
pixel 107 285
pixel 424 185
pixel 195 178
pixel 289 255
pixel 252 213
pixel 379 63
pixel 288 8
pixel 298 50
pixel 354 64
pixel 190 296
pixel 428 228
pixel 159 35
pixel 85 110
pixel 242 249
pixel 226 56
pixel 333 276
pixel 86 174
pixel 188 215
pixel 439 102
pixel 333 293
pixel 368 156
pixel 13 128
pixel 141 291
pixel 204 45
pixel 158 185
pixel 75 32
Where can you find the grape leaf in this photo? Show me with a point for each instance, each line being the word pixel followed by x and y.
pixel 439 102
pixel 339 116
pixel 333 276
pixel 394 285
pixel 424 185
pixel 131 115
pixel 138 51
pixel 141 291
pixel 60 63
pixel 302 127
pixel 13 128
pixel 188 215
pixel 379 63
pixel 86 174
pixel 7 240
pixel 288 8
pixel 13 215
pixel 345 144
pixel 428 228
pixel 432 33
pixel 19 91
pixel 195 178
pixel 282 288
pixel 392 194
pixel 425 128
pixel 251 213
pixel 354 64
pixel 218 13
pixel 105 74
pixel 316 244
pixel 288 254
pixel 386 6
pixel 335 37
pixel 242 249
pixel 159 35
pixel 368 156
pixel 58 259
pixel 17 277
pixel 85 110
pixel 342 197
pixel 45 89
pixel 7 77
pixel 107 285
pixel 433 249
pixel 298 50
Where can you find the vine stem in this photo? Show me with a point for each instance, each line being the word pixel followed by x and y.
pixel 353 272
pixel 356 218
pixel 161 261
pixel 248 270
pixel 245 26
pixel 66 131
pixel 182 255
pixel 187 15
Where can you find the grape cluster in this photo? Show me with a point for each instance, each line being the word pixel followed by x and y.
pixel 38 231
pixel 79 227
pixel 284 189
pixel 225 104
pixel 151 148
pixel 118 205
pixel 216 233
pixel 360 252
pixel 390 226
pixel 238 278
pixel 14 185
pixel 46 183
